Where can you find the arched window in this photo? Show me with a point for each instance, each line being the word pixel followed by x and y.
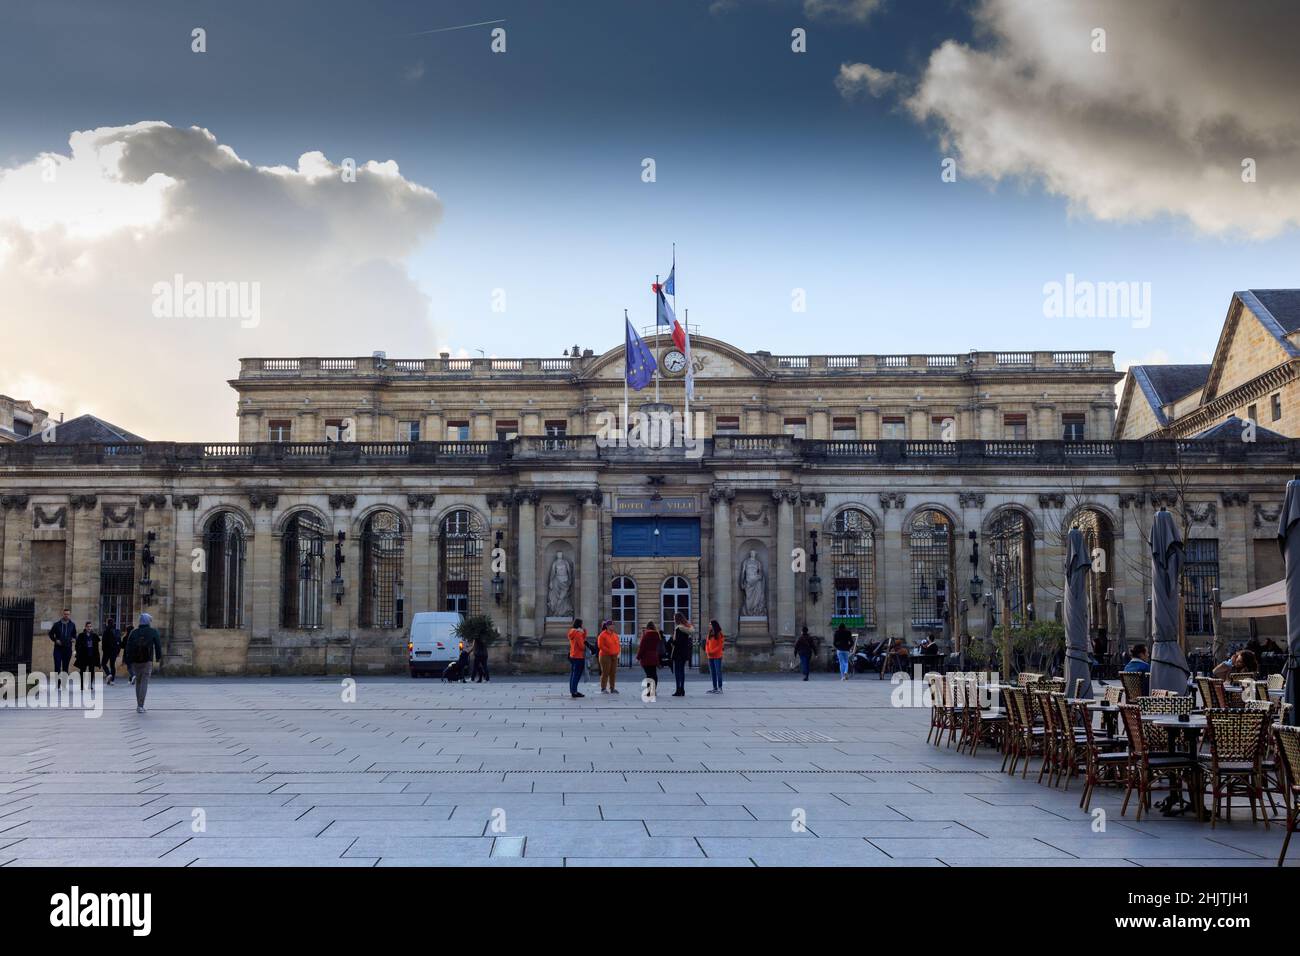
pixel 622 607
pixel 853 566
pixel 932 550
pixel 675 595
pixel 302 570
pixel 381 571
pixel 224 539
pixel 1098 536
pixel 1011 563
pixel 460 553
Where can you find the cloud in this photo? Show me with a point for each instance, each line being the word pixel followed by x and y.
pixel 848 11
pixel 91 240
pixel 857 78
pixel 1157 125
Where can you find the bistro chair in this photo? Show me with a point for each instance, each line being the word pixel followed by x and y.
pixel 1078 686
pixel 935 681
pixel 954 707
pixel 1160 692
pixel 1236 752
pixel 1146 768
pixel 1104 760
pixel 1288 751
pixel 1168 705
pixel 1134 684
pixel 1071 740
pixel 1041 702
pixel 989 726
pixel 1027 740
pixel 1212 692
pixel 1112 695
pixel 1276 682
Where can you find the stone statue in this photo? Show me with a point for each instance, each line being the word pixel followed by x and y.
pixel 753 582
pixel 559 587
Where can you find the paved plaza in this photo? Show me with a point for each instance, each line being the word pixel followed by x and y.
pixel 271 771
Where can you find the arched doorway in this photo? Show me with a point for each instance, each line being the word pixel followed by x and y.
pixel 1099 541
pixel 622 611
pixel 224 538
pixel 853 568
pixel 382 553
pixel 931 540
pixel 460 556
pixel 674 597
pixel 302 570
pixel 1010 548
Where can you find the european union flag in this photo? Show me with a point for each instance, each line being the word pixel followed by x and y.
pixel 640 360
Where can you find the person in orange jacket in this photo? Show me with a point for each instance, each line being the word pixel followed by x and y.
pixel 608 647
pixel 713 644
pixel 577 655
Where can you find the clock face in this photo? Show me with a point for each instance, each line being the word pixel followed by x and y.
pixel 674 362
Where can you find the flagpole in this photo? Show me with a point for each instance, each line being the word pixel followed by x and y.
pixel 627 322
pixel 686 379
pixel 657 294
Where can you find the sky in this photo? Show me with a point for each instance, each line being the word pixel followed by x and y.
pixel 915 179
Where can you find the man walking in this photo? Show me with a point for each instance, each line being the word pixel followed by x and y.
pixel 62 634
pixel 143 647
pixel 843 649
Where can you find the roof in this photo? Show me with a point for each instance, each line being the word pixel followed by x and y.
pixel 1163 384
pixel 1282 305
pixel 1231 427
pixel 87 429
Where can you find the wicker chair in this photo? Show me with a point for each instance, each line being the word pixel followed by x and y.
pixel 1113 694
pixel 1288 751
pixel 1145 768
pixel 1134 684
pixel 1236 751
pixel 1041 703
pixel 1158 737
pixel 1026 738
pixel 1276 682
pixel 1072 740
pixel 935 680
pixel 1212 693
pixel 1104 760
pixel 987 726
pixel 954 707
pixel 1025 677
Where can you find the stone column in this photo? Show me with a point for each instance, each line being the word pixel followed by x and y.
pixel 819 423
pixel 894 570
pixel 988 419
pixel 264 574
pixel 723 584
pixel 185 584
pixel 480 426
pixel 1045 423
pixel 17 519
pixel 589 570
pixel 526 562
pixel 417 596
pixel 83 557
pixel 868 423
pixel 918 426
pixel 785 609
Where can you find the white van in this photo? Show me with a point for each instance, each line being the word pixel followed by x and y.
pixel 431 642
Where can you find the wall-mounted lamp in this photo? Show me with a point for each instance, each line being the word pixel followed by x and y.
pixel 814 579
pixel 337 583
pixel 498 579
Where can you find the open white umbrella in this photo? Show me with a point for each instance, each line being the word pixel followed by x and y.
pixel 1169 670
pixel 1077 565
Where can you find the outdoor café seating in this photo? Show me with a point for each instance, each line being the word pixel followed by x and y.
pixel 1236 739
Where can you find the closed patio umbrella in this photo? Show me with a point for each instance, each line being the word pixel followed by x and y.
pixel 1288 539
pixel 1077 565
pixel 1169 670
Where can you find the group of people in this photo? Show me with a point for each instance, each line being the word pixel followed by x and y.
pixel 653 652
pixel 92 652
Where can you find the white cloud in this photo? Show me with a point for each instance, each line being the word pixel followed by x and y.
pixel 855 78
pixel 1159 124
pixel 130 207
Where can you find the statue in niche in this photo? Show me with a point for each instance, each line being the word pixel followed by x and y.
pixel 753 583
pixel 559 587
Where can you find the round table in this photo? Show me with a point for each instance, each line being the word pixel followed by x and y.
pixel 1190 731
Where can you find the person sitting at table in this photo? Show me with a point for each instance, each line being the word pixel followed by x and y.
pixel 1243 660
pixel 1272 647
pixel 1140 662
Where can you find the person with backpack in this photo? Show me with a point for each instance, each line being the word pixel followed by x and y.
pixel 804 648
pixel 112 646
pixel 143 647
pixel 843 649
pixel 649 653
pixel 713 645
pixel 577 656
pixel 680 649
pixel 608 648
pixel 62 634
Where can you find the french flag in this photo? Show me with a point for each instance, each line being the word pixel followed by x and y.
pixel 664 317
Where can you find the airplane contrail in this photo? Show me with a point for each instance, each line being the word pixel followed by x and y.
pixel 463 26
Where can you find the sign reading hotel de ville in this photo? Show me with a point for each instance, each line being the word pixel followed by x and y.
pixel 650 505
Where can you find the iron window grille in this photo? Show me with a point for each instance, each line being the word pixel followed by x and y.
pixel 853 567
pixel 932 551
pixel 302 575
pixel 224 543
pixel 1011 561
pixel 382 554
pixel 1200 578
pixel 460 552
pixel 117 583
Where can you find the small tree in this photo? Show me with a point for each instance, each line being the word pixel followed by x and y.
pixel 476 626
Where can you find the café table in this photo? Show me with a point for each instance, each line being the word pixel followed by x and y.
pixel 1189 732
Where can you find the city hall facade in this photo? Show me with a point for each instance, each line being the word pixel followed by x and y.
pixel 811 490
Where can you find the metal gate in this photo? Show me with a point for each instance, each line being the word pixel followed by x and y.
pixel 16 616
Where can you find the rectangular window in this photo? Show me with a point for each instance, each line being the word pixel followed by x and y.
pixel 1015 427
pixel 1275 404
pixel 116 582
pixel 726 425
pixel 507 429
pixel 22 428
pixel 278 429
pixel 1252 412
pixel 557 428
pixel 1200 578
pixel 844 428
pixel 895 428
pixel 335 429
pixel 457 431
pixel 408 431
pixel 1072 425
pixel 656 537
pixel 796 427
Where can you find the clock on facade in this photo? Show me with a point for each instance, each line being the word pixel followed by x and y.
pixel 674 362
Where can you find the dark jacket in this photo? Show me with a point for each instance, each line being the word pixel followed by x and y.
pixel 682 644
pixel 87 650
pixel 144 645
pixel 843 638
pixel 112 641
pixel 648 652
pixel 804 645
pixel 480 649
pixel 63 633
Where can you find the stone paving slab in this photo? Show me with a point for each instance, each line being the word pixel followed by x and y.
pixel 514 773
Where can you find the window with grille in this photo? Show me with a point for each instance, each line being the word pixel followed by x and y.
pixel 223 574
pixel 1072 425
pixel 460 553
pixel 893 428
pixel 1200 578
pixel 381 571
pixel 853 569
pixel 1010 548
pixel 278 429
pixel 302 571
pixel 117 583
pixel 932 550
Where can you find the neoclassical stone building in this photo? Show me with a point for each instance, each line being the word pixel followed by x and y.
pixel 814 490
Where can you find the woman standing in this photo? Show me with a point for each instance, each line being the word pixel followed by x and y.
pixel 87 654
pixel 713 643
pixel 804 649
pixel 648 653
pixel 480 671
pixel 608 647
pixel 112 644
pixel 682 645
pixel 577 656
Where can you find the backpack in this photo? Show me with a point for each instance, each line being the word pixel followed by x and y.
pixel 138 646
